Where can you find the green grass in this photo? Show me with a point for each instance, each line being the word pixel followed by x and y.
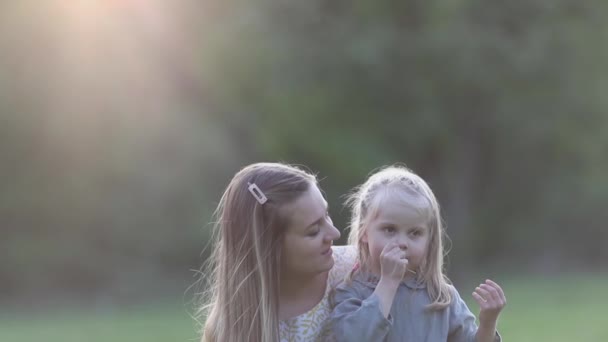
pixel 156 324
pixel 566 308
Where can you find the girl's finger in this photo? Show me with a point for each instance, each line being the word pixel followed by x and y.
pixel 392 251
pixel 497 287
pixel 479 299
pixel 386 250
pixel 492 291
pixel 399 254
pixel 392 245
pixel 483 293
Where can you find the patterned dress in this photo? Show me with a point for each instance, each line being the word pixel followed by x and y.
pixel 313 326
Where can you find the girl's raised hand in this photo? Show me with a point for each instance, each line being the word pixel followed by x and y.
pixel 491 300
pixel 393 262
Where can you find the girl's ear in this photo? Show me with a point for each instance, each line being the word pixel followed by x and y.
pixel 364 237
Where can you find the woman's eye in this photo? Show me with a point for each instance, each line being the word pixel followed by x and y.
pixel 314 232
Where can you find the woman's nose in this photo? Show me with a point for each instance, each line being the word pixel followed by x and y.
pixel 333 233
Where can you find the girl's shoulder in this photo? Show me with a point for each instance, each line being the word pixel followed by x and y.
pixel 344 261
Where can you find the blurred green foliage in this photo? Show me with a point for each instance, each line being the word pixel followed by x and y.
pixel 117 137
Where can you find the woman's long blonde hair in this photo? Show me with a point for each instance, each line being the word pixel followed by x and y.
pixel 241 303
pixel 401 182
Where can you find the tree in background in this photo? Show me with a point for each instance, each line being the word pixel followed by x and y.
pixel 497 103
pixel 115 142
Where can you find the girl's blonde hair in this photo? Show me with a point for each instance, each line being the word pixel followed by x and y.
pixel 413 191
pixel 241 303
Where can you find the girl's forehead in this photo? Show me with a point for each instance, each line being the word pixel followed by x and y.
pixel 401 208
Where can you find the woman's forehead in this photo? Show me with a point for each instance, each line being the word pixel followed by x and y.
pixel 307 208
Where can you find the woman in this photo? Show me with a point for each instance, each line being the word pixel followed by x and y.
pixel 270 267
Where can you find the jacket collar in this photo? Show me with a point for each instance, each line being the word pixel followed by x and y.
pixel 371 280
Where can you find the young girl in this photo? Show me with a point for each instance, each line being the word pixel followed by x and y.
pixel 398 291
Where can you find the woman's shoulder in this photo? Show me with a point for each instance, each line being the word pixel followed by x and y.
pixel 309 326
pixel 345 250
pixel 344 261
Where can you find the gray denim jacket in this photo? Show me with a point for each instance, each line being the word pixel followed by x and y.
pixel 357 316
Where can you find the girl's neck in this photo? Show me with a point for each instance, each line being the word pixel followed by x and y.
pixel 408 274
pixel 299 294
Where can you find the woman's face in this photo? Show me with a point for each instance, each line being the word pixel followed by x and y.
pixel 309 236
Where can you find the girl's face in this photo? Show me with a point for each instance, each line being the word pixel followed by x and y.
pixel 309 236
pixel 400 223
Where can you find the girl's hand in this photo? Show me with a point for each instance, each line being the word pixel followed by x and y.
pixel 393 262
pixel 491 300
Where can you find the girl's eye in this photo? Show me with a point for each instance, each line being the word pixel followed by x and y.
pixel 416 233
pixel 389 229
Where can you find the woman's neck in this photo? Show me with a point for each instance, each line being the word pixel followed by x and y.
pixel 299 294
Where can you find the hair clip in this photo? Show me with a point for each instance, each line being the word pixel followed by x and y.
pixel 257 193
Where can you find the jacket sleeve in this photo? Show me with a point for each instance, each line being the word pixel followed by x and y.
pixel 462 322
pixel 358 319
